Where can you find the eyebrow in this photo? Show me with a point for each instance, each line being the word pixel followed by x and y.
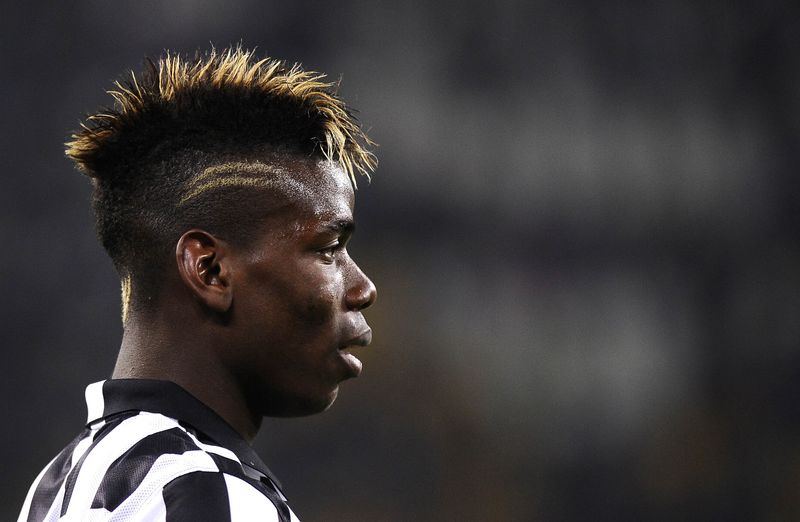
pixel 341 226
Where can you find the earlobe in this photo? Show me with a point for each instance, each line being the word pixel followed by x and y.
pixel 202 262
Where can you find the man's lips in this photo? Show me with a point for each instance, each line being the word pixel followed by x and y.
pixel 353 363
pixel 362 339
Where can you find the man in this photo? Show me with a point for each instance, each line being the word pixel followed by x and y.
pixel 223 191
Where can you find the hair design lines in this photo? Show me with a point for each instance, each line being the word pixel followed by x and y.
pixel 236 174
pixel 125 291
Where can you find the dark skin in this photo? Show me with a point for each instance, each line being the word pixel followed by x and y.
pixel 266 328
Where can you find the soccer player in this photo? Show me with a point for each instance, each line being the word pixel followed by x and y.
pixel 223 188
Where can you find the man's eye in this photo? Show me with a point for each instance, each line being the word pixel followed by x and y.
pixel 328 254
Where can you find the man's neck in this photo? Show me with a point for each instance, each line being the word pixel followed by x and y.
pixel 153 348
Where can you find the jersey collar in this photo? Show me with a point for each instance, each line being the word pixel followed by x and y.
pixel 111 397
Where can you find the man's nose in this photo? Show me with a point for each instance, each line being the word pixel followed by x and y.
pixel 362 292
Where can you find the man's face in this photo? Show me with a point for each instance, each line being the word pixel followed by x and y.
pixel 297 299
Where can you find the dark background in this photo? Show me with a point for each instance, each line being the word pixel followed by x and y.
pixel 584 231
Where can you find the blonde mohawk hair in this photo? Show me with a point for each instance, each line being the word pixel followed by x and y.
pixel 174 81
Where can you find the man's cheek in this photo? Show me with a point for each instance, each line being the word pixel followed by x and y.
pixel 320 307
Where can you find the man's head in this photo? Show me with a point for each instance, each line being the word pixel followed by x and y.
pixel 166 157
pixel 228 182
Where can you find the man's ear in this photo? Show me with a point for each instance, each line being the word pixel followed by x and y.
pixel 204 266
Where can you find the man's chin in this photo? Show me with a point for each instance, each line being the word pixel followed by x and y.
pixel 303 406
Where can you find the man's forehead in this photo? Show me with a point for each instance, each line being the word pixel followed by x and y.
pixel 331 194
pixel 307 195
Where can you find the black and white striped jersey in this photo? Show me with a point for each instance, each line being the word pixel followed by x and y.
pixel 152 452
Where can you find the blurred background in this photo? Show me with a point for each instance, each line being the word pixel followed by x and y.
pixel 584 232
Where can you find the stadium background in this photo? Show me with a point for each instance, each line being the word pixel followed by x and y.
pixel 584 231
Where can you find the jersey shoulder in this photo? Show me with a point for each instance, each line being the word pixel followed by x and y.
pixel 216 496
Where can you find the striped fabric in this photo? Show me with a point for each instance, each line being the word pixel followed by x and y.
pixel 152 452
